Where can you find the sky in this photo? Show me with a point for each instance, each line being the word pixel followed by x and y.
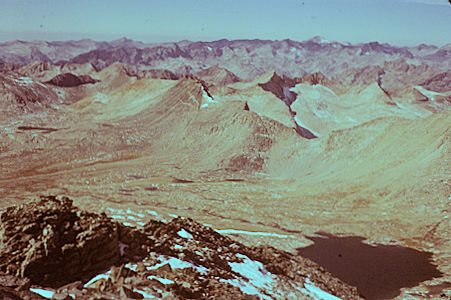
pixel 399 22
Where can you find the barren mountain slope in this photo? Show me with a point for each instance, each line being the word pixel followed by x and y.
pixel 322 110
pixel 45 71
pixel 217 76
pixel 393 75
pixel 22 94
pixel 229 156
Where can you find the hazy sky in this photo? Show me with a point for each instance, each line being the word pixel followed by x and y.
pixel 400 22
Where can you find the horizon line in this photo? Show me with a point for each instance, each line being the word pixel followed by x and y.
pixel 206 40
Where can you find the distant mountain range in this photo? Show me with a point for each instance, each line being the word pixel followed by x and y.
pixel 349 144
pixel 245 58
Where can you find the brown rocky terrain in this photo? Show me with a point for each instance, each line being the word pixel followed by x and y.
pixel 23 94
pixel 58 249
pixel 368 188
pixel 393 75
pixel 218 76
pixel 45 71
pixel 438 83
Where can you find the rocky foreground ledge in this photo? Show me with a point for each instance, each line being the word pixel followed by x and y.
pixel 51 249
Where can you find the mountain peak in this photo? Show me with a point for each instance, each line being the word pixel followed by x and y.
pixel 315 78
pixel 265 77
pixel 320 40
pixel 218 75
pixel 122 40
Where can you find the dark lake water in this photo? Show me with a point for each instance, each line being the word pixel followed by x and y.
pixel 379 272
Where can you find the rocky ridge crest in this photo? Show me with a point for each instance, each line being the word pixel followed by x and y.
pixel 64 252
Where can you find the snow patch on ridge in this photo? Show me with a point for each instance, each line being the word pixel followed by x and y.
pixel 98 277
pixel 233 231
pixel 162 280
pixel 128 215
pixel 151 212
pixel 430 94
pixel 206 98
pixel 185 234
pixel 23 81
pixel 44 293
pixel 176 263
pixel 41 84
pixel 320 40
pixel 144 294
pixel 257 278
pixel 315 292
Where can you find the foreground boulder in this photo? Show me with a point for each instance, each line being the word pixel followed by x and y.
pixel 64 253
pixel 52 243
pixel 12 288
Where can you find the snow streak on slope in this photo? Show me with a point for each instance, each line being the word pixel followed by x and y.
pixel 257 278
pixel 207 99
pixel 430 94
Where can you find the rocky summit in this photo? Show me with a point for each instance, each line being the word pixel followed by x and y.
pixel 51 249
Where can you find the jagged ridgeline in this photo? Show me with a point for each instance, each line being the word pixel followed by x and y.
pixel 50 247
pixel 245 58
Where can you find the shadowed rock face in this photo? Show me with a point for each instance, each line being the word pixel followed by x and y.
pixel 71 80
pixel 379 271
pixel 279 86
pixel 50 243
